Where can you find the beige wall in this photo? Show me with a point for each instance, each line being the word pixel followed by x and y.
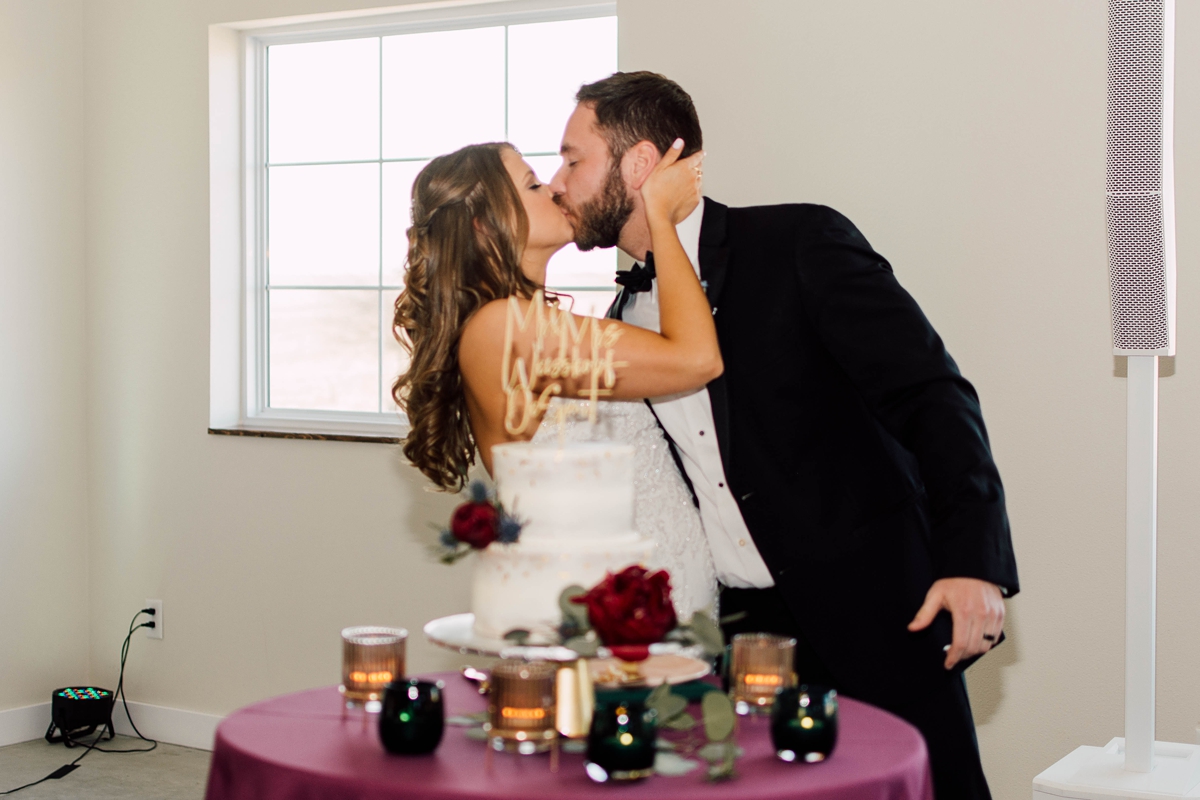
pixel 966 140
pixel 261 550
pixel 43 479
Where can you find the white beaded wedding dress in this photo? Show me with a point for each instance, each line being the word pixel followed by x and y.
pixel 663 510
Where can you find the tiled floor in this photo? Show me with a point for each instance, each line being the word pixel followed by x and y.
pixel 167 773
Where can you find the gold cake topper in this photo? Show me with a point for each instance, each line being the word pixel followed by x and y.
pixel 562 348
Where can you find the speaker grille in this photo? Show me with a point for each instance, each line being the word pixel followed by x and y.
pixel 1136 272
pixel 1138 90
pixel 1135 96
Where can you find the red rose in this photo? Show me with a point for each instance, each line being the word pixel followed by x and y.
pixel 475 524
pixel 631 607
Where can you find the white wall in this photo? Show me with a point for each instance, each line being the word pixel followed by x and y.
pixel 43 394
pixel 261 549
pixel 966 140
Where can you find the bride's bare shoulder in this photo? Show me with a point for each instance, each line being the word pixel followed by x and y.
pixel 483 333
pixel 486 326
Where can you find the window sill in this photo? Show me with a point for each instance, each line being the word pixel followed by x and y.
pixel 322 437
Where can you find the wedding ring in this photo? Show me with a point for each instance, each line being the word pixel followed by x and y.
pixel 988 637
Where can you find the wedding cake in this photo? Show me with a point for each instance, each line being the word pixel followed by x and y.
pixel 576 501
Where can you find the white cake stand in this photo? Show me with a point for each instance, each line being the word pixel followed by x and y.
pixel 457 632
pixel 668 661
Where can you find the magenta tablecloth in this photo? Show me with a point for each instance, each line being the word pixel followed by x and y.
pixel 299 746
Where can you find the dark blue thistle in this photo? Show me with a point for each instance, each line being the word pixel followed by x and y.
pixel 447 539
pixel 509 529
pixel 479 492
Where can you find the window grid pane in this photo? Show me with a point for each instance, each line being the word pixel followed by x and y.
pixel 340 236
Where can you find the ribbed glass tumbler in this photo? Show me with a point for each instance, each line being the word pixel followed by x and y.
pixel 372 657
pixel 760 665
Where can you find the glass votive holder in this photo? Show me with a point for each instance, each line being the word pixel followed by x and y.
pixel 522 710
pixel 413 717
pixel 760 664
pixel 804 723
pixel 372 657
pixel 621 742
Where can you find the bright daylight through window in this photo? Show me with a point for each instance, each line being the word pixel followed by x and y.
pixel 349 124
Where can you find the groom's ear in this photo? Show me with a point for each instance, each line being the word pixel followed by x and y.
pixel 638 162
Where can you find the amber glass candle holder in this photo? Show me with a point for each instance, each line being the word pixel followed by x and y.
pixel 522 709
pixel 372 657
pixel 760 665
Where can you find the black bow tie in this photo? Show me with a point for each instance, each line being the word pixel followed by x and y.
pixel 638 279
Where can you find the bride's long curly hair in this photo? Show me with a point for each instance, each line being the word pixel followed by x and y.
pixel 464 250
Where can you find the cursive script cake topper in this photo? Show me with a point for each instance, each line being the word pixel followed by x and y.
pixel 562 349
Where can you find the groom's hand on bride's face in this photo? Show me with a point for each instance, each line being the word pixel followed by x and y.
pixel 977 608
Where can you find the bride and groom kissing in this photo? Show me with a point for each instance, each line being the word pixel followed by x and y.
pixel 809 458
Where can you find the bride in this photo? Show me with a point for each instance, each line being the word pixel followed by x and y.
pixel 484 229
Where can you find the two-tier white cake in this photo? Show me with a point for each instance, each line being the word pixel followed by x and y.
pixel 576 501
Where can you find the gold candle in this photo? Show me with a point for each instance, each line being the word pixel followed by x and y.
pixel 522 712
pixel 760 665
pixel 575 698
pixel 372 657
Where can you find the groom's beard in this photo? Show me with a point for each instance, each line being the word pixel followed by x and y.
pixel 599 221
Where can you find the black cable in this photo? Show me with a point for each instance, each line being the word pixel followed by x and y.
pixel 66 769
pixel 121 687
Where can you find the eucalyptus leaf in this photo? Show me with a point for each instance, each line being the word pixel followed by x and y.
pixel 467 720
pixel 476 734
pixel 719 717
pixel 574 746
pixel 658 693
pixel 707 633
pixel 681 722
pixel 583 645
pixel 673 705
pixel 719 751
pixel 665 703
pixel 574 611
pixel 737 617
pixel 672 765
pixel 721 772
pixel 517 636
pixel 664 744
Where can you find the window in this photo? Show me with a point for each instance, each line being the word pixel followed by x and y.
pixel 340 121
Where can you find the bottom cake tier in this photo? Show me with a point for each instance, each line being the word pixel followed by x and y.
pixel 516 586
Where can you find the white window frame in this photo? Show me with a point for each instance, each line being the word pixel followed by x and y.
pixel 237 201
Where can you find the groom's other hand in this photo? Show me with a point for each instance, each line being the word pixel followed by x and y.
pixel 977 608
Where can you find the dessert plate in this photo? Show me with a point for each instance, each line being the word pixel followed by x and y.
pixel 670 667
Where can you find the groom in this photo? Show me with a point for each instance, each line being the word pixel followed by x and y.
pixel 840 464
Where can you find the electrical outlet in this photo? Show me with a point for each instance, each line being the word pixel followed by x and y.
pixel 157 631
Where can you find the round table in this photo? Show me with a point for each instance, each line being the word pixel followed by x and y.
pixel 302 746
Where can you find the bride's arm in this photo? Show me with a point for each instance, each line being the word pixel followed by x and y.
pixel 684 356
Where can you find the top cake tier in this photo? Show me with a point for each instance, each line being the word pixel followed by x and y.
pixel 569 491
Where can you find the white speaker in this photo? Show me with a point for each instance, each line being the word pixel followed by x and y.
pixel 1141 268
pixel 1140 185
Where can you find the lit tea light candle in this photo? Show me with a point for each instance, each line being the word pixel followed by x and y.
pixel 760 665
pixel 372 657
pixel 522 706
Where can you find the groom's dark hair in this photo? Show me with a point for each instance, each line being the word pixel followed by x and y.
pixel 635 106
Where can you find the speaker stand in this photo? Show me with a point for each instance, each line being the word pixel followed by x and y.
pixel 1098 773
pixel 1146 768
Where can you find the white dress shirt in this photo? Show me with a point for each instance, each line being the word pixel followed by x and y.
pixel 688 418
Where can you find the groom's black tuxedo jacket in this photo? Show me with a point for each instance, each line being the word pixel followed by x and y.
pixel 855 448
